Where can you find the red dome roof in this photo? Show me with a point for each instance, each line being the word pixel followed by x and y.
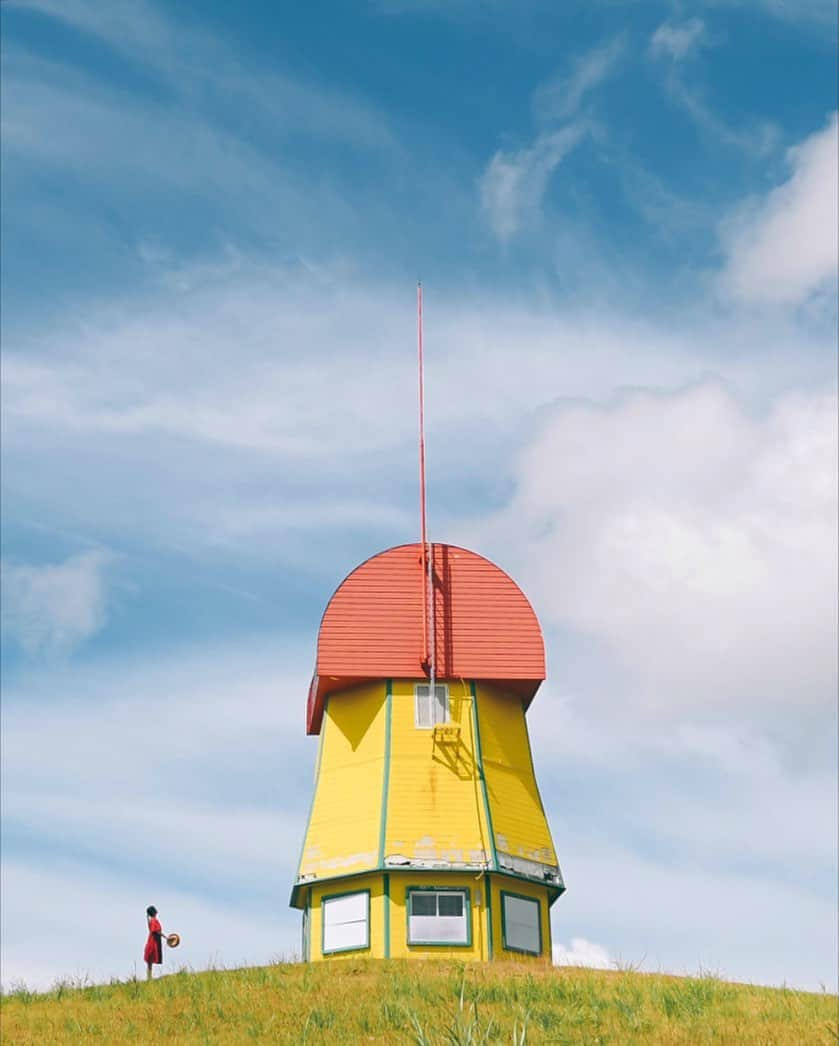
pixel 372 627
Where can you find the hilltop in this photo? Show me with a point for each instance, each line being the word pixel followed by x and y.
pixel 422 1003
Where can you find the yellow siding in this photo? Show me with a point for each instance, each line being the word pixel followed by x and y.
pixel 343 832
pixel 389 913
pixel 373 883
pixel 518 819
pixel 508 884
pixel 435 811
pixel 399 886
pixel 435 808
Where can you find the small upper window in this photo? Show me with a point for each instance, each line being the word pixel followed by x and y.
pixel 431 712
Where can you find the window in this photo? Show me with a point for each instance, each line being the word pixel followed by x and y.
pixel 429 713
pixel 439 917
pixel 346 922
pixel 521 921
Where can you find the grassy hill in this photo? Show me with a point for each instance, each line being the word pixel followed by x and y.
pixel 420 1003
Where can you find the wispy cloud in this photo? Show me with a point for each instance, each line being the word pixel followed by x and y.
pixel 562 96
pixel 512 187
pixel 758 137
pixel 55 607
pixel 671 44
pixel 203 72
pixel 206 370
pixel 815 12
pixel 180 755
pixel 783 248
pixel 677 40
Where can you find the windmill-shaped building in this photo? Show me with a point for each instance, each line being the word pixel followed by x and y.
pixel 426 834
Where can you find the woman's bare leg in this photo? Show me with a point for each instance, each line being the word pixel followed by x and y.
pixel 148 971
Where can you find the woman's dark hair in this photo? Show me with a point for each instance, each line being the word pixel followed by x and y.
pixel 151 911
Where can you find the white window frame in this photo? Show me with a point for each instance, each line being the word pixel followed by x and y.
pixel 427 937
pixel 514 928
pixel 353 932
pixel 440 709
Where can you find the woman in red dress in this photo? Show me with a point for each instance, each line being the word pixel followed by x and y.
pixel 153 953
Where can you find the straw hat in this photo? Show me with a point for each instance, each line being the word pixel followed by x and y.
pixel 173 939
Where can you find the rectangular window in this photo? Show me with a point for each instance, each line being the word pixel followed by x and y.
pixel 429 713
pixel 438 917
pixel 346 922
pixel 521 923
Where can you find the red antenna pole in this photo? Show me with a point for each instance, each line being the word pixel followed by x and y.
pixel 423 522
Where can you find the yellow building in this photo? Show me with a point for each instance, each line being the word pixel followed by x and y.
pixel 426 835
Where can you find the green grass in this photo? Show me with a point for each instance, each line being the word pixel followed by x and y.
pixel 425 1004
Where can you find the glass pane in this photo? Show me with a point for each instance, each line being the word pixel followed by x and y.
pixel 423 904
pixel 450 903
pixel 345 935
pixel 351 908
pixel 437 930
pixel 345 922
pixel 441 710
pixel 424 717
pixel 521 924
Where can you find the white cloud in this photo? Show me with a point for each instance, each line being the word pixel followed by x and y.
pixel 677 40
pixel 210 425
pixel 661 912
pixel 512 187
pixel 74 920
pixel 583 953
pixel 696 541
pixel 55 607
pixel 199 759
pixel 783 248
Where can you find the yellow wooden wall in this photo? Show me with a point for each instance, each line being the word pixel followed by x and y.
pixel 379 797
pixel 401 882
pixel 373 883
pixel 509 884
pixel 389 915
pixel 518 818
pixel 343 832
pixel 435 807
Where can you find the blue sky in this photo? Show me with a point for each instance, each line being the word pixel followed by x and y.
pixel 624 217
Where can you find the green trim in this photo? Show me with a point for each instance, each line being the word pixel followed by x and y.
pixel 521 897
pixel 307 927
pixel 541 804
pixel 479 760
pixel 553 891
pixel 386 903
pixel 353 948
pixel 385 771
pixel 488 897
pixel 321 742
pixel 467 907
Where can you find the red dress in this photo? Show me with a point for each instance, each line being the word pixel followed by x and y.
pixel 154 945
